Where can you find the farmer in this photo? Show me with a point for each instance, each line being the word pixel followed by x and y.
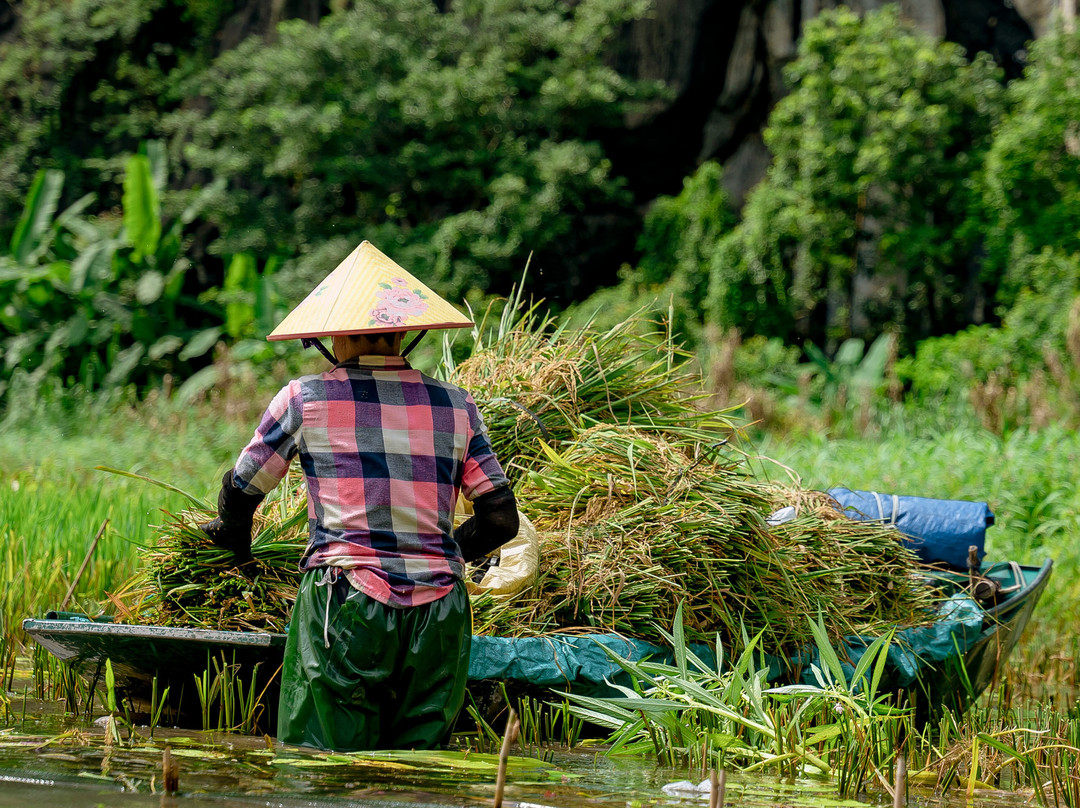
pixel 378 645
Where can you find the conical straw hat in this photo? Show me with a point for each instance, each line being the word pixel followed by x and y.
pixel 368 293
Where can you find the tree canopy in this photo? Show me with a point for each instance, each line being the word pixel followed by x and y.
pixel 910 191
pixel 458 141
pixel 867 207
pixel 1032 178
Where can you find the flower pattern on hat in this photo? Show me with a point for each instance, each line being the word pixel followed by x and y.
pixel 397 303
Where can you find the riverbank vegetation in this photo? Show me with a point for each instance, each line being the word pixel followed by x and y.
pixel 896 307
pixel 912 218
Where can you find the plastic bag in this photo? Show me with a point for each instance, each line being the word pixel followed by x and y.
pixel 519 563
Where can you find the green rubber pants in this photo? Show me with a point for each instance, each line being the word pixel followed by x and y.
pixel 390 678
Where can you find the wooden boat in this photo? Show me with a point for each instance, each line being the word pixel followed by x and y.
pixel 975 650
pixel 958 679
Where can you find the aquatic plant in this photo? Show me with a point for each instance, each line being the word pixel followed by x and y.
pixel 542 723
pixel 158 703
pixel 700 715
pixel 694 714
pixel 224 695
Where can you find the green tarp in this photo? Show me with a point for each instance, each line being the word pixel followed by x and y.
pixel 579 661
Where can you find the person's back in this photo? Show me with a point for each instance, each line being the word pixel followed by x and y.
pixel 378 646
pixel 385 451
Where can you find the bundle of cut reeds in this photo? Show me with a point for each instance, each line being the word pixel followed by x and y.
pixel 633 525
pixel 186 580
pixel 536 381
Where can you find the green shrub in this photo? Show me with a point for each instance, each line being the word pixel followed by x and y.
pixel 671 279
pixel 1033 334
pixel 1025 372
pixel 458 141
pixel 767 361
pixel 102 301
pixel 758 281
pixel 948 366
pixel 872 178
pixel 678 238
pixel 1031 186
pixel 1041 289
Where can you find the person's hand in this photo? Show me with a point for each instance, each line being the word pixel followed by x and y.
pixel 229 539
pixel 231 530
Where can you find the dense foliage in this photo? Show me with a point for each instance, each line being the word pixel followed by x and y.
pixel 1025 371
pixel 105 300
pixel 678 235
pixel 459 141
pixel 925 203
pixel 913 201
pixel 1032 181
pixel 85 81
pixel 864 215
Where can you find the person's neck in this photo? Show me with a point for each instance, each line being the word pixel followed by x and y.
pixel 346 349
pixel 349 355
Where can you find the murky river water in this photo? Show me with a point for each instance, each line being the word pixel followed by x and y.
pixel 79 769
pixel 46 762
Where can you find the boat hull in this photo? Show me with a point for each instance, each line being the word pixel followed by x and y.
pixel 176 656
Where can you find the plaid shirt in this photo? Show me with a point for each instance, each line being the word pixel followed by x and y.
pixel 385 450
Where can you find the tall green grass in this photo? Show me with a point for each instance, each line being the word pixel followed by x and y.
pixel 53 501
pixel 48 527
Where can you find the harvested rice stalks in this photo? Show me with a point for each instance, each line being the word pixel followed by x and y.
pixel 537 382
pixel 186 580
pixel 649 526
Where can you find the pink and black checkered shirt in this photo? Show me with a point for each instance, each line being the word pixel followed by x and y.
pixel 386 451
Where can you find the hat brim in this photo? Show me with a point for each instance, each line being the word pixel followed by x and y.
pixel 347 332
pixel 368 293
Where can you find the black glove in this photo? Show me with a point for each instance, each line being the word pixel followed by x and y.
pixel 231 530
pixel 493 523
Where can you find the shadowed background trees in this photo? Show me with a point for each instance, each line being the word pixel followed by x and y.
pixel 903 186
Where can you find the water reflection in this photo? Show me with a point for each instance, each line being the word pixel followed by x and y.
pixel 46 762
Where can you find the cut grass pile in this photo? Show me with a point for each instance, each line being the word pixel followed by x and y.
pixel 186 580
pixel 536 381
pixel 640 503
pixel 632 526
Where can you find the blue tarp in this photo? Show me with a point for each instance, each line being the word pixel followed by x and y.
pixel 958 627
pixel 564 661
pixel 937 530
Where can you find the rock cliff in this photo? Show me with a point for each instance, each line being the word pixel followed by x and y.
pixel 723 60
